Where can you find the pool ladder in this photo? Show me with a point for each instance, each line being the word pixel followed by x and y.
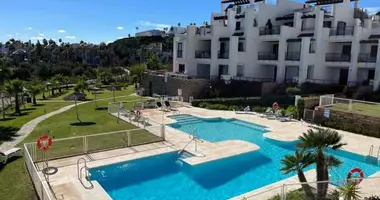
pixel 193 137
pixel 87 174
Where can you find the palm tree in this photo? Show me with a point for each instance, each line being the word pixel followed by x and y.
pixel 297 163
pixel 318 141
pixel 15 87
pixel 81 85
pixel 34 89
pixel 350 191
pixel 57 81
pixel 66 81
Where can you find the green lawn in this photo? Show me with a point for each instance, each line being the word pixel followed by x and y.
pixel 90 96
pixel 59 126
pixel 361 108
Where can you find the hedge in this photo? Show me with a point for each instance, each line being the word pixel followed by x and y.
pixel 315 88
pixel 283 101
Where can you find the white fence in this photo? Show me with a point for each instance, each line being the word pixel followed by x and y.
pixel 41 189
pixel 368 187
pixel 350 105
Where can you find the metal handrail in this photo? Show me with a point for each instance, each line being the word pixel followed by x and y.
pixel 79 171
pixel 378 153
pixel 370 150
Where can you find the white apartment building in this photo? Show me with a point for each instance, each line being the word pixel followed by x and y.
pixel 313 42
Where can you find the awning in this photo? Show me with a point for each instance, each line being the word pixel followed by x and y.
pixel 237 2
pixel 306 35
pixel 224 39
pixel 237 34
pixel 240 16
pixel 369 41
pixel 294 40
pixel 374 37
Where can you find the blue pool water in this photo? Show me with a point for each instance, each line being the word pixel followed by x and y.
pixel 167 177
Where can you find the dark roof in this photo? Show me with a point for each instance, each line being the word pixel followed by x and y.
pixel 285 17
pixel 325 2
pixel 306 35
pixel 369 41
pixel 237 2
pixel 374 37
pixel 238 34
pixel 220 17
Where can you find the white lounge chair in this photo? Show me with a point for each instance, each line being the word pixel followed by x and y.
pixel 247 110
pixel 268 113
pixel 5 155
pixel 287 117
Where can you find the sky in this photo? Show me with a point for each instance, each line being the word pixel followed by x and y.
pixel 98 21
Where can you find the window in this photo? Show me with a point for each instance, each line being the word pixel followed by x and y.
pixel 310 70
pixel 240 71
pixel 179 46
pixel 312 47
pixel 238 26
pixel 179 50
pixel 181 68
pixel 238 10
pixel 241 46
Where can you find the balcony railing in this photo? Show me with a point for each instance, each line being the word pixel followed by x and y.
pixel 241 28
pixel 267 56
pixel 202 54
pixel 366 58
pixel 337 57
pixel 204 30
pixel 321 81
pixel 345 31
pixel 179 53
pixel 307 28
pixel 275 30
pixel 293 56
pixel 223 54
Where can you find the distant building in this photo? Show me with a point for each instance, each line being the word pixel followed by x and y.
pixel 149 33
pixel 177 30
pixel 4 49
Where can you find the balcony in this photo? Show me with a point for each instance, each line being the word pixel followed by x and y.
pixel 345 31
pixel 366 58
pixel 267 56
pixel 202 54
pixel 223 54
pixel 204 31
pixel 276 30
pixel 307 29
pixel 241 28
pixel 179 54
pixel 337 57
pixel 293 56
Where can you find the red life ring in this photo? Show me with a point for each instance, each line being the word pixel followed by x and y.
pixel 44 143
pixel 138 112
pixel 275 106
pixel 356 170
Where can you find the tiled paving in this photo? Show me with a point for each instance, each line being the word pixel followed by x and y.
pixel 66 184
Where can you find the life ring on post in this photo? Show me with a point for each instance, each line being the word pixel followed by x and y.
pixel 275 106
pixel 356 170
pixel 44 143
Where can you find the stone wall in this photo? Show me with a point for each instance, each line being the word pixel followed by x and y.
pixel 190 87
pixel 348 121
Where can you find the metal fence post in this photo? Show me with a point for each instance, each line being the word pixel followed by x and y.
pixel 163 131
pixel 283 192
pixel 129 142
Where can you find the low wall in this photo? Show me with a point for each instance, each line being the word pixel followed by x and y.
pixel 155 84
pixel 352 122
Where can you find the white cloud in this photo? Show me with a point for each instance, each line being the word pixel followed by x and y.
pixel 61 31
pixel 119 28
pixel 41 34
pixel 17 33
pixel 120 38
pixel 109 41
pixel 30 28
pixel 154 25
pixel 37 38
pixel 71 37
pixel 372 10
pixel 9 35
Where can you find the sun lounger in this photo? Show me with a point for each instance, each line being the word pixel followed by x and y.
pixel 161 107
pixel 14 152
pixel 169 107
pixel 287 117
pixel 268 113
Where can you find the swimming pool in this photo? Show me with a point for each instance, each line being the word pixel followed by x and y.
pixel 167 177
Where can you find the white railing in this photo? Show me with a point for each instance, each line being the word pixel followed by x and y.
pixel 351 105
pixel 41 189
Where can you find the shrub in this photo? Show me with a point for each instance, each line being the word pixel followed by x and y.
pixel 292 195
pixel 300 107
pixel 372 198
pixel 293 91
pixel 315 88
pixel 292 110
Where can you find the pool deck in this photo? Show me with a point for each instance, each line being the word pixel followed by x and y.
pixel 66 185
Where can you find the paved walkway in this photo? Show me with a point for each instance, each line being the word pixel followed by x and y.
pixel 27 128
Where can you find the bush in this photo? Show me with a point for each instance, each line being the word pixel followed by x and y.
pixel 300 107
pixel 293 91
pixel 372 198
pixel 292 195
pixel 292 110
pixel 315 88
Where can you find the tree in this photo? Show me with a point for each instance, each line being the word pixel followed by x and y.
pixel 15 87
pixel 153 63
pixel 34 89
pixel 137 72
pixel 350 191
pixel 5 74
pixel 56 82
pixel 66 81
pixel 318 141
pixel 129 35
pixel 297 163
pixel 81 85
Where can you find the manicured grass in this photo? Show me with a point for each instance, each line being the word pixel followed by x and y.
pixel 360 108
pixel 59 126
